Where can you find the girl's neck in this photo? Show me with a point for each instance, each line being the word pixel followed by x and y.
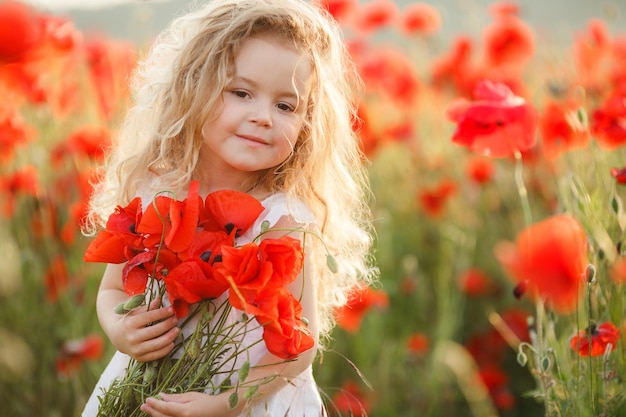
pixel 248 185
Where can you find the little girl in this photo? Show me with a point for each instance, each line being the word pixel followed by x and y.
pixel 254 96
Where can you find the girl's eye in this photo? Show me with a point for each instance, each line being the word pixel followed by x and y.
pixel 240 93
pixel 285 107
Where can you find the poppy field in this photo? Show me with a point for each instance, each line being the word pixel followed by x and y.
pixel 498 172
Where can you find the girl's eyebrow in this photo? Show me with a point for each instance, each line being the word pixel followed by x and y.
pixel 251 82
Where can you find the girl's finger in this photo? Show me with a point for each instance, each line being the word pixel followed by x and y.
pixel 157 348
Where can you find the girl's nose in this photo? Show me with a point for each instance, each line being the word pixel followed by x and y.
pixel 261 114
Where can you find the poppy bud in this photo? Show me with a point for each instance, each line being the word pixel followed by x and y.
pixel 134 301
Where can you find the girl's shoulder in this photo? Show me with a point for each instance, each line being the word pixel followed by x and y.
pixel 279 206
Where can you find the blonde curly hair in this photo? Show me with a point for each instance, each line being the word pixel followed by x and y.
pixel 181 80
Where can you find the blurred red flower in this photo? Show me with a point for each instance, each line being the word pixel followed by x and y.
pixel 87 141
pixel 504 8
pixel 591 49
pixel 600 337
pixel 508 41
pixel 361 124
pixel 109 64
pixel 418 344
pixel 561 129
pixel 433 200
pixel 619 175
pixel 550 258
pixel 480 170
pixel 475 282
pixel 497 124
pixel 75 352
pixel 341 10
pixel 390 73
pixel 56 278
pixel 20 30
pixel 420 19
pixel 13 133
pixel 21 182
pixel 496 381
pixel 455 69
pixel 351 401
pixel 362 299
pixel 608 122
pixel 374 15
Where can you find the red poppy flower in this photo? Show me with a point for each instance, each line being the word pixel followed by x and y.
pixel 109 65
pixel 56 278
pixel 420 18
pixel 374 15
pixel 508 41
pixel 418 344
pixel 286 257
pixel 13 133
pixel 241 269
pixel 480 170
pixel 388 71
pixel 591 49
pixel 174 221
pixel 475 282
pixel 497 124
pixel 230 211
pixel 341 10
pixel 286 335
pixel 188 283
pixel 496 381
pixel 74 352
pixel 111 245
pixel 504 8
pixel 455 69
pixel 361 300
pixel 561 131
pixel 369 140
pixel 21 182
pixel 351 401
pixel 20 30
pixel 601 336
pixel 85 142
pixel 608 122
pixel 433 200
pixel 550 258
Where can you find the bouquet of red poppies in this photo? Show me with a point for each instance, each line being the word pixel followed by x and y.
pixel 186 253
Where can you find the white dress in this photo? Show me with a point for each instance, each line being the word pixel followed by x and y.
pixel 298 398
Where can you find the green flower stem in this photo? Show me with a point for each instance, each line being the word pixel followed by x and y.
pixel 540 354
pixel 589 358
pixel 521 188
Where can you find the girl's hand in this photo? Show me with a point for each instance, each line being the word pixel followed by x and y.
pixel 146 334
pixel 189 404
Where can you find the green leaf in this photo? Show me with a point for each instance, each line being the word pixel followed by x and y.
pixel 522 359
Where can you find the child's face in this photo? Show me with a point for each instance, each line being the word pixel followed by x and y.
pixel 263 110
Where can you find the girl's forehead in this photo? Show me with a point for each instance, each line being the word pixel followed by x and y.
pixel 271 58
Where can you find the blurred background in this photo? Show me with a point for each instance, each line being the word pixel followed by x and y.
pixel 141 20
pixel 449 329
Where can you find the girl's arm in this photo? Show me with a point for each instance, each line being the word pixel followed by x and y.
pixel 194 404
pixel 131 333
